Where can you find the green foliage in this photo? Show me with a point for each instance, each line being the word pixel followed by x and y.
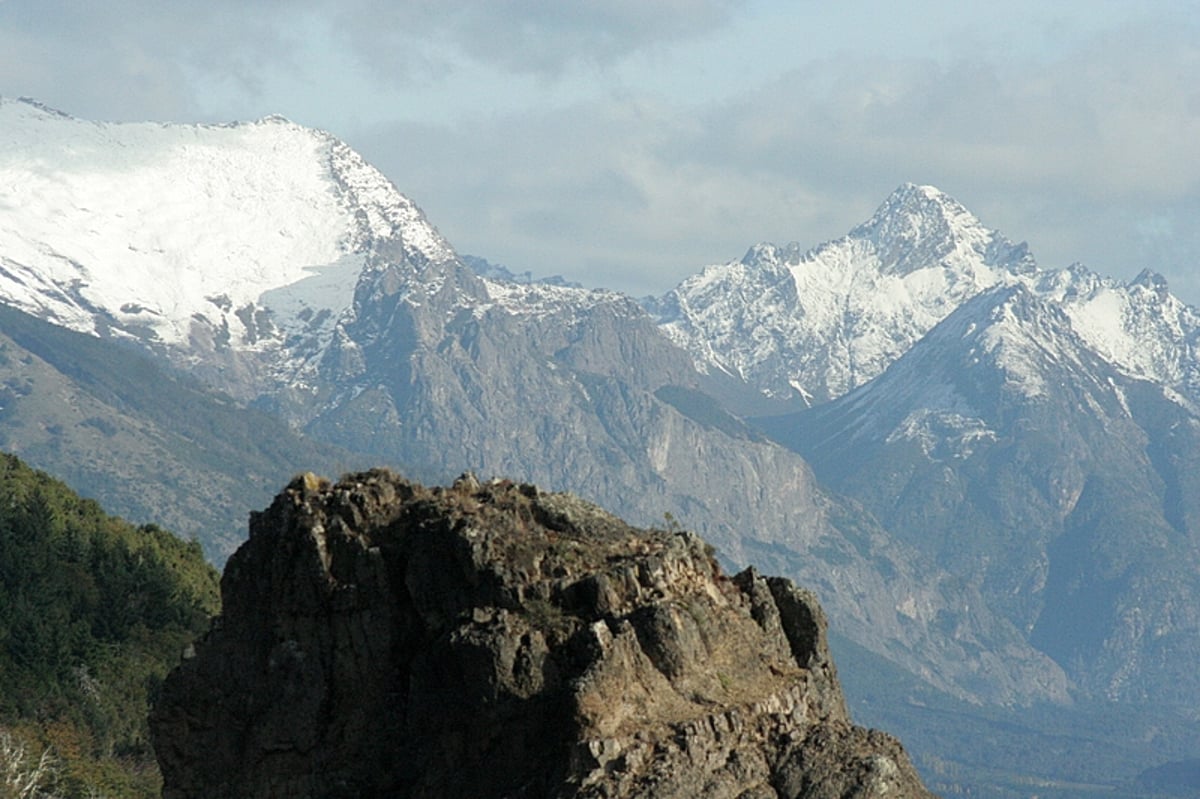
pixel 93 613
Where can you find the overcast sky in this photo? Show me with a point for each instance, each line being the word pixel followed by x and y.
pixel 628 143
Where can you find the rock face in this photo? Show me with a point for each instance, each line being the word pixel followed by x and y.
pixel 384 639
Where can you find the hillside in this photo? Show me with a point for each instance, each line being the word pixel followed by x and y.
pixel 93 613
pixel 134 434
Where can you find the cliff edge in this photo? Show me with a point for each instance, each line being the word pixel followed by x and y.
pixel 384 639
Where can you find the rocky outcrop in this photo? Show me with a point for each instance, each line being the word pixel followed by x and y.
pixel 382 639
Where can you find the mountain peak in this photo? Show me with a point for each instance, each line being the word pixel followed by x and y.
pixel 813 324
pixel 768 254
pixel 1006 330
pixel 920 226
pixel 1152 281
pixel 911 203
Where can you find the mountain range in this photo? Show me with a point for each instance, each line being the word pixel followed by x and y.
pixel 986 470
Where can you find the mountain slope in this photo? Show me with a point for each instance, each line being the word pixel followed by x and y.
pixel 455 371
pixel 93 613
pixel 144 441
pixel 1011 453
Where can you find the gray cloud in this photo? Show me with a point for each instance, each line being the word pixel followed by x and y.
pixel 1093 155
pixel 135 59
pixel 141 58
pixel 541 37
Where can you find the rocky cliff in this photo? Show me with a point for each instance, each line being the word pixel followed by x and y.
pixel 380 638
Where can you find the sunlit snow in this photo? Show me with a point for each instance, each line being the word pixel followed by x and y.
pixel 155 225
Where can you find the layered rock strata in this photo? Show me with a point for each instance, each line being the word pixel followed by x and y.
pixel 383 639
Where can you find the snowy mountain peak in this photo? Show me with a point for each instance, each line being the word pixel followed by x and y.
pixel 814 324
pixel 911 201
pixel 1156 283
pixel 1025 336
pixel 239 236
pixel 920 226
pixel 1004 347
pixel 1007 330
pixel 768 254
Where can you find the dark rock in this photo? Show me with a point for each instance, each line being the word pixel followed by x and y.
pixel 380 638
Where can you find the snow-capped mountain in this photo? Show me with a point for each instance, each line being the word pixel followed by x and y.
pixel 244 237
pixel 1140 327
pixel 1009 452
pixel 815 324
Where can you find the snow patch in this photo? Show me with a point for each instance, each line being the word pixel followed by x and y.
pixel 943 435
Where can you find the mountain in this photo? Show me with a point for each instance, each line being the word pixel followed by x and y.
pixel 418 360
pixel 1139 327
pixel 380 638
pixel 449 370
pixel 814 324
pixel 231 249
pixel 294 278
pixel 1005 449
pixel 1031 432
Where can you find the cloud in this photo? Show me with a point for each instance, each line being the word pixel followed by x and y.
pixel 135 59
pixel 190 59
pixel 542 37
pixel 1076 153
pixel 597 191
pixel 1120 117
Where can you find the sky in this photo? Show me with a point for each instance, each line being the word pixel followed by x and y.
pixel 629 143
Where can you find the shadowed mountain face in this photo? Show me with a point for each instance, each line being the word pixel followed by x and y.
pixel 579 390
pixel 382 639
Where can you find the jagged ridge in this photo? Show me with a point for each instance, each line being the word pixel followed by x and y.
pixel 816 324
